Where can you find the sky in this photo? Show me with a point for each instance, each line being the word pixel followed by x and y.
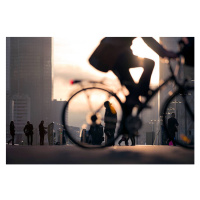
pixel 71 62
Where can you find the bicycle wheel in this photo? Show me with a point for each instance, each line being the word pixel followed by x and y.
pixel 182 104
pixel 83 117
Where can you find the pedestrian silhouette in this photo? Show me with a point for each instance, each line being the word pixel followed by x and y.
pixel 172 128
pixel 96 134
pixel 42 132
pixel 132 137
pixel 110 120
pixel 12 132
pixel 129 136
pixel 28 130
pixel 124 139
pixel 87 136
pixel 83 136
pixel 115 54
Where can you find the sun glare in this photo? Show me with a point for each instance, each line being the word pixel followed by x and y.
pixel 136 73
pixel 140 49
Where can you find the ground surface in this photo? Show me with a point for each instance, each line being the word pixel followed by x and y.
pixel 111 155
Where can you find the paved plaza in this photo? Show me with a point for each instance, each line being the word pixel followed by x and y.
pixel 139 154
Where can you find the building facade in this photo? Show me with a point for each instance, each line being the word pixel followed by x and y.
pixel 186 125
pixel 19 111
pixel 29 73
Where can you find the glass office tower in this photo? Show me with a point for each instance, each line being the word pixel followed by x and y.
pixel 29 72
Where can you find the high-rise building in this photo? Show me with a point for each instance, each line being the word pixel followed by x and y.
pixel 177 105
pixel 170 43
pixel 29 73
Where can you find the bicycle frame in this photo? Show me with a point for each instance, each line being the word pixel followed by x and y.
pixel 172 78
pixel 85 85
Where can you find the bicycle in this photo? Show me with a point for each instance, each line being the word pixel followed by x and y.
pixel 85 109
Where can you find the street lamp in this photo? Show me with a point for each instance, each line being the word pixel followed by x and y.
pixel 152 122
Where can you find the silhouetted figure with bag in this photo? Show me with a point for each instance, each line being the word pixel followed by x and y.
pixel 42 132
pixel 28 130
pixel 96 134
pixel 172 128
pixel 125 139
pixel 12 132
pixel 132 137
pixel 110 120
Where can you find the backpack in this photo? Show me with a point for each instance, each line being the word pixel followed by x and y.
pixel 105 55
pixel 96 133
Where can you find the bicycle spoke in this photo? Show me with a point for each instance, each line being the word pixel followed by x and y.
pixel 88 100
pixel 188 108
pixel 102 105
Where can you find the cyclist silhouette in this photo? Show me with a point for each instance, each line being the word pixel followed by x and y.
pixel 115 54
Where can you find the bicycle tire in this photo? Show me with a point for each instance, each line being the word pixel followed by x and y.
pixel 185 118
pixel 91 94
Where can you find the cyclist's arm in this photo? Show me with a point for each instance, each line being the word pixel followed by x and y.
pixel 158 48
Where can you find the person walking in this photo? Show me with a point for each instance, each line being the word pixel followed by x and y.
pixel 42 132
pixel 125 139
pixel 83 135
pixel 12 132
pixel 28 130
pixel 96 133
pixel 110 120
pixel 172 128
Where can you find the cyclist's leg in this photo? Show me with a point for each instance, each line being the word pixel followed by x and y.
pixel 144 82
pixel 121 69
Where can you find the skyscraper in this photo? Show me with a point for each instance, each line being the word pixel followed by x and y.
pixel 186 125
pixel 170 43
pixel 29 72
